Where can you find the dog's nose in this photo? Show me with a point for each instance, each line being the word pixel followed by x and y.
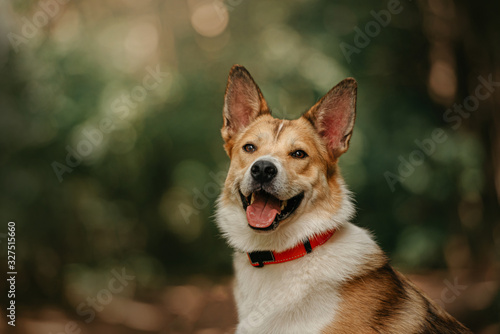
pixel 263 171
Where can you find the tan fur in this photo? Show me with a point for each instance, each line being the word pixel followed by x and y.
pixel 384 301
pixel 362 297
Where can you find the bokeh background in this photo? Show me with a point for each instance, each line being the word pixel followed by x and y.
pixel 111 157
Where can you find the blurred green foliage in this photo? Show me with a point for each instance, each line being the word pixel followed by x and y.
pixel 144 195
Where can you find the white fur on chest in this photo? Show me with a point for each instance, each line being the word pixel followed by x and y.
pixel 300 296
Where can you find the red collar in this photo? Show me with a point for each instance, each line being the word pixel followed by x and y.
pixel 260 258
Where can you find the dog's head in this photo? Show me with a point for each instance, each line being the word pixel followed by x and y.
pixel 283 183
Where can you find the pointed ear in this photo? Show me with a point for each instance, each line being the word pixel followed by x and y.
pixel 333 116
pixel 243 102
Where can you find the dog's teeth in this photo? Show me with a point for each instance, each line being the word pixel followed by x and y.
pixel 252 198
pixel 283 205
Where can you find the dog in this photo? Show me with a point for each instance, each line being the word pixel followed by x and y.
pixel 300 265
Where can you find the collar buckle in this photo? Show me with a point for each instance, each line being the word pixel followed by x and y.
pixel 259 257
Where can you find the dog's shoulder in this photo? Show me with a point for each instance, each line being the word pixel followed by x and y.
pixel 384 301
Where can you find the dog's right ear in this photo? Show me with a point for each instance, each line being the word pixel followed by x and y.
pixel 243 103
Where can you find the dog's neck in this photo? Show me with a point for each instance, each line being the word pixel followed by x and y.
pixel 261 258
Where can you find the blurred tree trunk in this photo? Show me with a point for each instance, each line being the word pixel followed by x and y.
pixel 464 39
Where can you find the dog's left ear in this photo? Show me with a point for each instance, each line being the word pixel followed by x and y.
pixel 243 103
pixel 333 116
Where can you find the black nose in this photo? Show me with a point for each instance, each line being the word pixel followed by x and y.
pixel 263 171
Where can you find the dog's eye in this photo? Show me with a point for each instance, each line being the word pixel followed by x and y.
pixel 299 154
pixel 250 148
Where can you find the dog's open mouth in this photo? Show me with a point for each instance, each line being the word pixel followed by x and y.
pixel 265 212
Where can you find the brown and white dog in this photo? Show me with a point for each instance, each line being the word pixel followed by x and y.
pixel 301 266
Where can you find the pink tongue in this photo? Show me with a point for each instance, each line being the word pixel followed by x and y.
pixel 263 211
